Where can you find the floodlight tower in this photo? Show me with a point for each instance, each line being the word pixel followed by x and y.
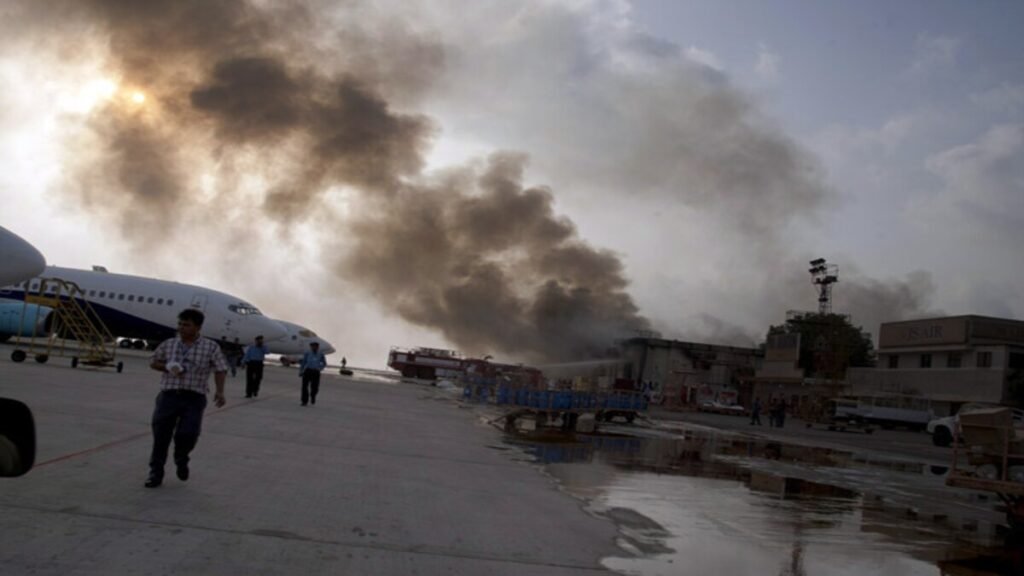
pixel 824 275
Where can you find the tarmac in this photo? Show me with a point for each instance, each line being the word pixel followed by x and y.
pixel 379 477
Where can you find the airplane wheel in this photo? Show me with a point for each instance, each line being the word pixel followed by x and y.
pixel 42 358
pixel 139 344
pixel 74 361
pixel 18 355
pixel 120 367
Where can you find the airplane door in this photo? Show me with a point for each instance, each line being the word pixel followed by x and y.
pixel 199 302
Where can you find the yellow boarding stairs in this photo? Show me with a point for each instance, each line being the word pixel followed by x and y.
pixel 73 318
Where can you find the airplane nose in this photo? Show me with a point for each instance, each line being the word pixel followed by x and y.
pixel 271 329
pixel 326 348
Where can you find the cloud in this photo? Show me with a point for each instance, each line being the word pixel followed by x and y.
pixel 704 58
pixel 933 54
pixel 767 67
pixel 1006 98
pixel 985 179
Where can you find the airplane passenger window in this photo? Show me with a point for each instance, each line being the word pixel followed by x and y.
pixel 170 302
pixel 131 298
pixel 103 294
pixel 159 300
pixel 141 298
pixel 120 296
pixel 92 293
pixel 149 300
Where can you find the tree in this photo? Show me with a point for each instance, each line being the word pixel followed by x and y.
pixel 829 343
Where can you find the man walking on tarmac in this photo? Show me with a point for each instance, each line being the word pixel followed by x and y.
pixel 253 360
pixel 313 362
pixel 186 362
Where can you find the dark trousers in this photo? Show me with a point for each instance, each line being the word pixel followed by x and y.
pixel 178 415
pixel 310 385
pixel 253 377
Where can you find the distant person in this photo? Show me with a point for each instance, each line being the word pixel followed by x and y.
pixel 313 362
pixel 231 354
pixel 780 413
pixel 253 360
pixel 186 362
pixel 755 412
pixel 344 362
pixel 771 412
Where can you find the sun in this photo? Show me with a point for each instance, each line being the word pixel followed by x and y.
pixel 138 97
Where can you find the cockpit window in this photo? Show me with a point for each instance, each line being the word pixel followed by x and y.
pixel 307 333
pixel 245 309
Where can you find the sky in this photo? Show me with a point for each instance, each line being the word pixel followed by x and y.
pixel 531 180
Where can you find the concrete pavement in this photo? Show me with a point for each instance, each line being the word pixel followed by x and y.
pixel 376 478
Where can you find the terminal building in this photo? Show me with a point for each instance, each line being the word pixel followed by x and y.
pixel 948 361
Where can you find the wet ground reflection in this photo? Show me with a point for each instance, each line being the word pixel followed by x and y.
pixel 708 503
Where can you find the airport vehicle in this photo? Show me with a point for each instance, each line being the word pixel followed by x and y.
pixel 426 363
pixel 889 410
pixel 941 429
pixel 544 406
pixel 295 343
pixel 837 415
pixel 716 407
pixel 147 309
pixel 71 327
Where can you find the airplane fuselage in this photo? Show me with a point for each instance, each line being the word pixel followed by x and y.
pixel 147 308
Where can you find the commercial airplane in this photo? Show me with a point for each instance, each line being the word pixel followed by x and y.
pixel 295 343
pixel 147 309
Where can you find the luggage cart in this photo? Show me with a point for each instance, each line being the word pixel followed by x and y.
pixel 73 328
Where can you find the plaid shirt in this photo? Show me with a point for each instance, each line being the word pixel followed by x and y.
pixel 199 359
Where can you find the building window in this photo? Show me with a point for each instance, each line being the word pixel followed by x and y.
pixel 984 359
pixel 894 361
pixel 926 360
pixel 953 360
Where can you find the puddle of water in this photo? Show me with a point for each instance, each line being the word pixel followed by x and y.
pixel 708 503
